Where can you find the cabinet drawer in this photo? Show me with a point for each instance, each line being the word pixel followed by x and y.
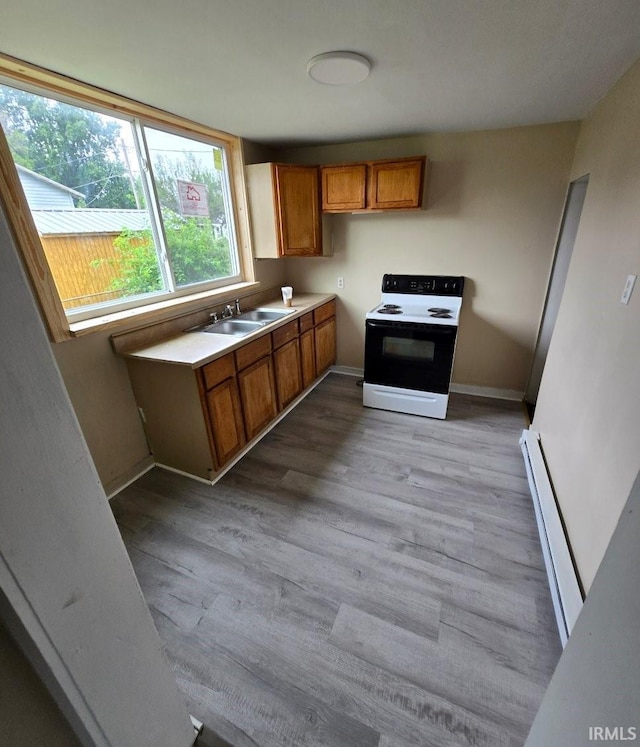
pixel 326 311
pixel 218 370
pixel 252 351
pixel 285 334
pixel 306 322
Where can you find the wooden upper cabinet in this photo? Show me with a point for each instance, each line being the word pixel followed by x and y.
pixel 285 210
pixel 394 184
pixel 298 210
pixel 344 188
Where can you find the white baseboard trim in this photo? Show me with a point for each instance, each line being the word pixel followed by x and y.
pixel 183 473
pixel 348 371
pixel 563 580
pixel 251 443
pixel 119 484
pixel 487 391
pixel 198 726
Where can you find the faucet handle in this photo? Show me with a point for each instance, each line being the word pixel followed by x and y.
pixel 214 316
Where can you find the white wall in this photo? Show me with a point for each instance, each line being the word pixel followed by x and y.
pixel 68 593
pixel 588 409
pixel 596 681
pixel 494 204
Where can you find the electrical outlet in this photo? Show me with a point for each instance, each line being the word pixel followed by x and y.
pixel 628 289
pixel 340 283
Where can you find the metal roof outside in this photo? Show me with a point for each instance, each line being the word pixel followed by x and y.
pixel 85 220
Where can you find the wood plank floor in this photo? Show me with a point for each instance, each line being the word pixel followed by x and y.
pixel 361 578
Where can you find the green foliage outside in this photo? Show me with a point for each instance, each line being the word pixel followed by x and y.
pixel 72 146
pixel 84 150
pixel 194 252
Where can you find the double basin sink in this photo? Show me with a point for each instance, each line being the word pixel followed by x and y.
pixel 243 324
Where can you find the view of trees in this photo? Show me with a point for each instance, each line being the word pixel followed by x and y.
pixel 72 146
pixel 195 256
pixel 86 151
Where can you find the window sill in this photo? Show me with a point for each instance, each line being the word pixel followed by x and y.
pixel 160 311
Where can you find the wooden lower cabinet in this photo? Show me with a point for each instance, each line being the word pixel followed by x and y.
pixel 325 343
pixel 197 421
pixel 286 363
pixel 258 396
pixel 225 419
pixel 308 358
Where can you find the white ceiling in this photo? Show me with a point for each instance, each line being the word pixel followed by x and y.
pixel 240 65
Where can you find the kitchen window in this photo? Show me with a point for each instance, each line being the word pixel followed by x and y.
pixel 132 211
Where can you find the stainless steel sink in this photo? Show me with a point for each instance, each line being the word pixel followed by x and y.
pixel 243 324
pixel 264 315
pixel 234 327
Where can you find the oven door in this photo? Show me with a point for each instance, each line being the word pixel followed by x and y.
pixel 408 355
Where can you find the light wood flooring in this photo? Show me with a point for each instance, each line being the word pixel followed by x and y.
pixel 362 578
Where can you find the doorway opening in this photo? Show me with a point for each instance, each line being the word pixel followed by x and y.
pixel 564 249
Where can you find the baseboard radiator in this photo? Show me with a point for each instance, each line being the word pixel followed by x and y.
pixel 563 581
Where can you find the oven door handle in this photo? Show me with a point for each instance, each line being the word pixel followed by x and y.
pixel 442 330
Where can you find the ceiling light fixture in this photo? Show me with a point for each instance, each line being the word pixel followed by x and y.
pixel 338 68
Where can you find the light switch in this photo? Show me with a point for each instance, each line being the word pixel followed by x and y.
pixel 628 289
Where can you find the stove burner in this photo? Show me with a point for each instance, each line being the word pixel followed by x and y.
pixel 438 310
pixel 390 310
pixel 391 306
pixel 440 315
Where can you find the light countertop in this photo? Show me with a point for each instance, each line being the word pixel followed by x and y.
pixel 194 349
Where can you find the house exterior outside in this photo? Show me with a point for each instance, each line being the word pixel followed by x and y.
pixel 75 239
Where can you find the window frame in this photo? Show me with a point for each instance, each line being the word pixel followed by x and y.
pixel 61 326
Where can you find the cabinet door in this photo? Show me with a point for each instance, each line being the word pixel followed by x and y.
pixel 286 362
pixel 344 188
pixel 396 184
pixel 225 418
pixel 325 334
pixel 297 197
pixel 308 357
pixel 258 396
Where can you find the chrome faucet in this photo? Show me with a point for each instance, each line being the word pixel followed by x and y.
pixel 238 312
pixel 228 312
pixel 214 316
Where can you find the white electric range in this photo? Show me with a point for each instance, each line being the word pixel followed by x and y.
pixel 410 344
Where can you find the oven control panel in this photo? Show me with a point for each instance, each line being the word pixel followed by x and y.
pixel 423 285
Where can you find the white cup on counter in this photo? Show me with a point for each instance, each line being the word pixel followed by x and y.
pixel 287 295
